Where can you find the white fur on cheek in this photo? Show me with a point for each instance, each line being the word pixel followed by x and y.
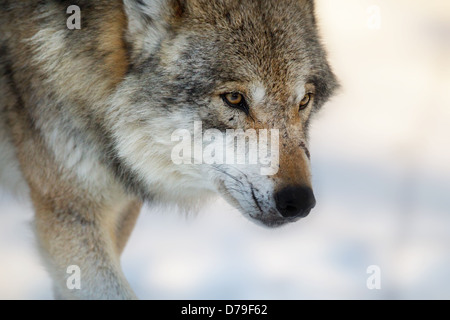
pixel 148 153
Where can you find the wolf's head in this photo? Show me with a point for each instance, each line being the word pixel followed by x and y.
pixel 200 68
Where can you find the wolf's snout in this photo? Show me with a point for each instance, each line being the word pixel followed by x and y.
pixel 295 202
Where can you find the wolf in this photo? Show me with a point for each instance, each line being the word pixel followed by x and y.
pixel 87 115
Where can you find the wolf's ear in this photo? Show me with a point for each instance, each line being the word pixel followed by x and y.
pixel 150 18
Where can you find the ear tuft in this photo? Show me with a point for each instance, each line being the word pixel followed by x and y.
pixel 142 13
pixel 179 8
pixel 148 20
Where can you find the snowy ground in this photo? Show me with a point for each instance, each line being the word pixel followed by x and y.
pixel 381 162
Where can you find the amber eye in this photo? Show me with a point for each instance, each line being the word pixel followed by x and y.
pixel 236 100
pixel 306 101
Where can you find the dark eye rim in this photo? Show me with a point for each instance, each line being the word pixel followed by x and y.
pixel 310 97
pixel 242 106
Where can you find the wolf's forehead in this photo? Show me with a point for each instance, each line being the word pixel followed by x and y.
pixel 259 18
pixel 279 70
pixel 266 39
pixel 271 41
pixel 246 7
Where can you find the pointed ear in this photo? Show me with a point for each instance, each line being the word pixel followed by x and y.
pixel 143 14
pixel 148 21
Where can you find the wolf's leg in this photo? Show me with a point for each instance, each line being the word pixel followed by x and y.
pixel 126 223
pixel 75 233
pixel 76 218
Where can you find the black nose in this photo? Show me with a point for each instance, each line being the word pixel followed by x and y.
pixel 295 202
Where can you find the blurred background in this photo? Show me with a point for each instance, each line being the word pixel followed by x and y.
pixel 381 165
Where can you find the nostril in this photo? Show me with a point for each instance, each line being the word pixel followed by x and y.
pixel 295 202
pixel 291 210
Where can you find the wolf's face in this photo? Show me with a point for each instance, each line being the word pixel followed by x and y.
pixel 204 67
